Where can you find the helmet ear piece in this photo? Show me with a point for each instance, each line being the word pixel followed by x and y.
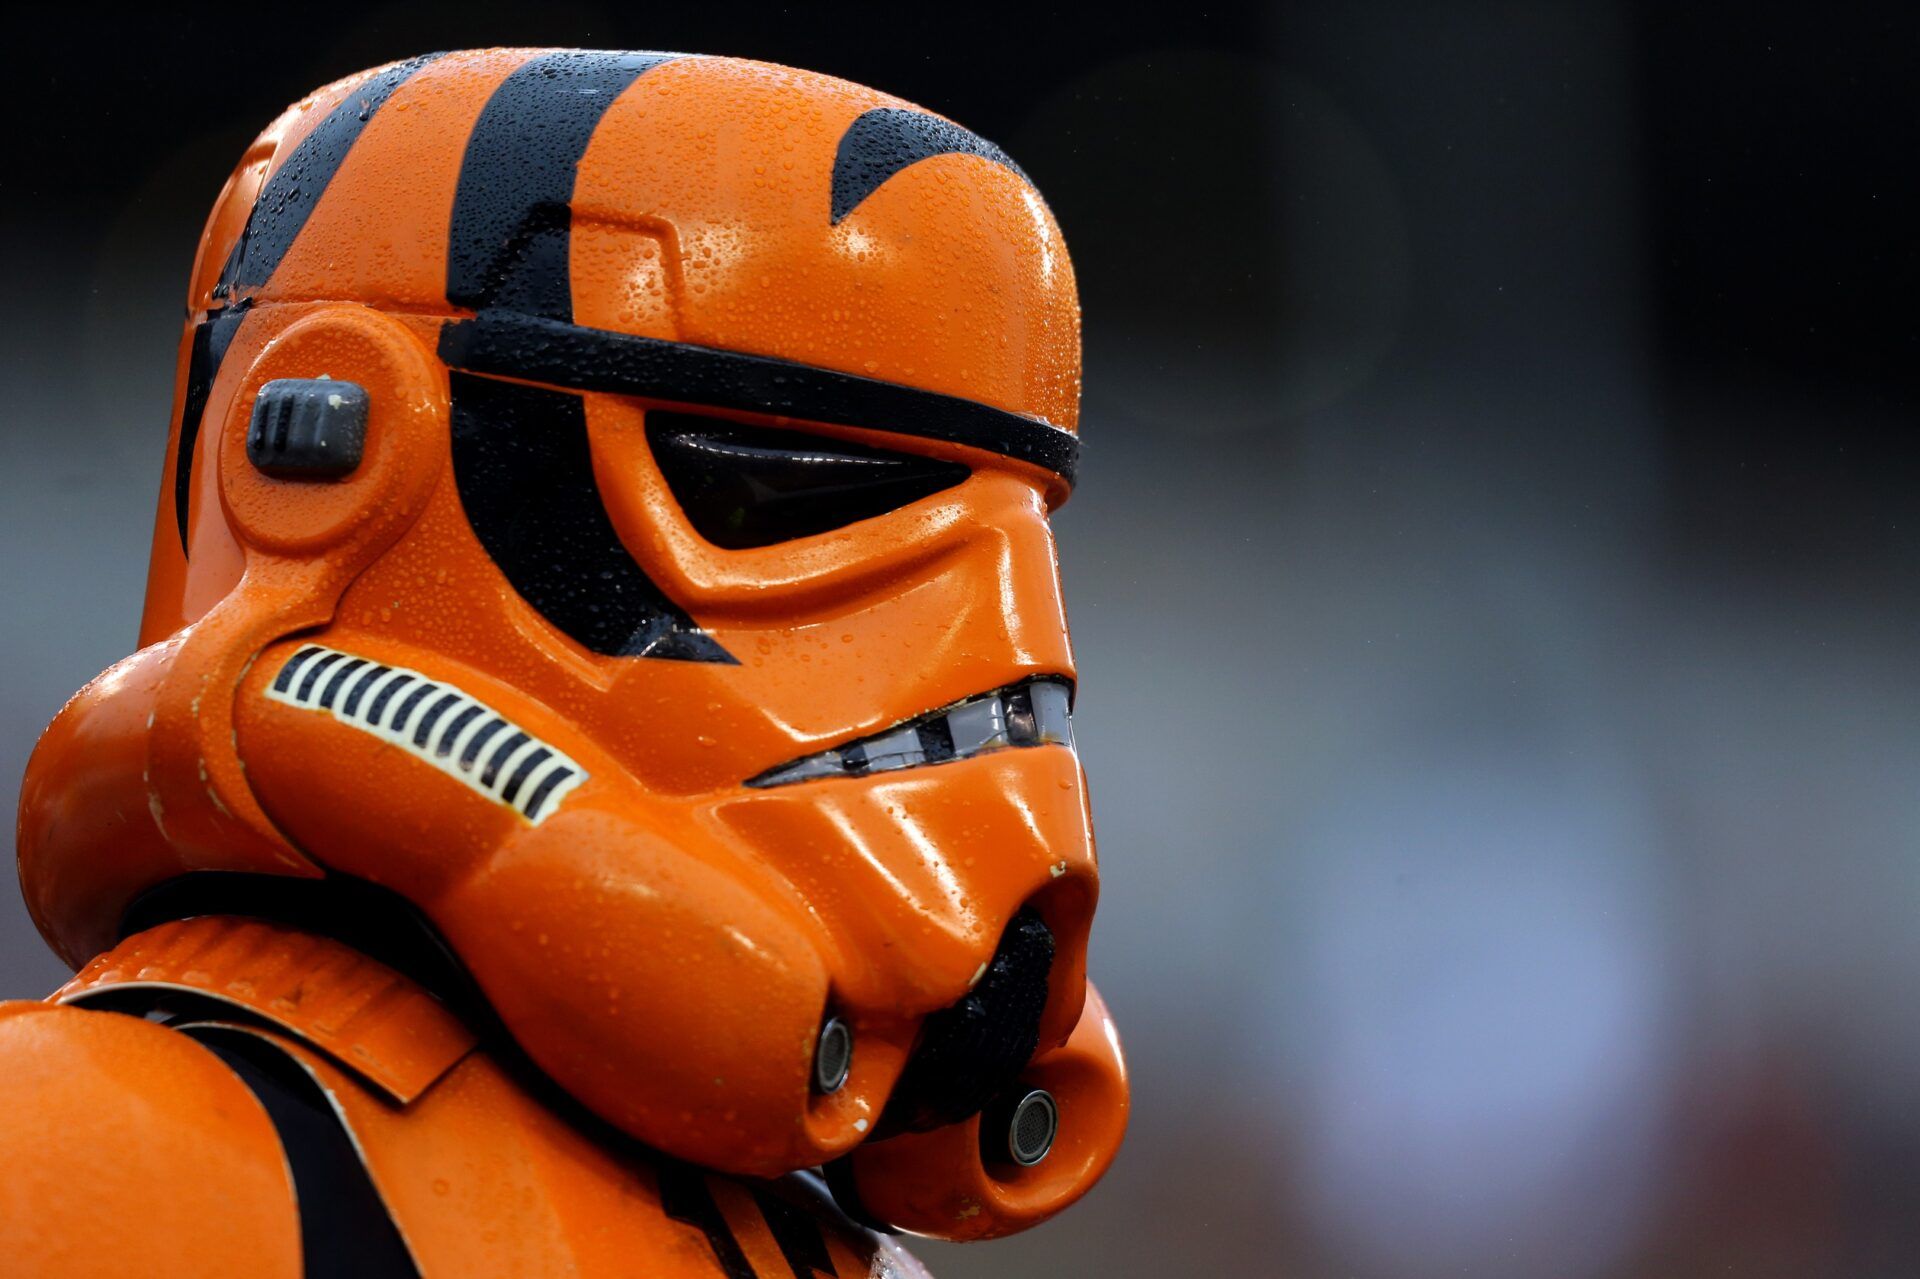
pixel 286 435
pixel 301 544
pixel 308 429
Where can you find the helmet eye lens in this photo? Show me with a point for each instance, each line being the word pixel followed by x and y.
pixel 745 486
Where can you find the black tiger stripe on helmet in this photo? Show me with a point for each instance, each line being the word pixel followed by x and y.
pixel 521 457
pixel 885 140
pixel 522 462
pixel 280 211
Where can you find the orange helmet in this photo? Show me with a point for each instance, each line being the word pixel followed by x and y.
pixel 604 544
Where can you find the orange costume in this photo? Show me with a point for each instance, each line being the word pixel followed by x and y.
pixel 596 793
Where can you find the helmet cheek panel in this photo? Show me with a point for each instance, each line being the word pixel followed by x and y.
pixel 900 859
pixel 300 545
pixel 669 983
pixel 674 990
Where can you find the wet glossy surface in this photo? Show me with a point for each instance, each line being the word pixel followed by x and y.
pixel 742 486
pixel 663 604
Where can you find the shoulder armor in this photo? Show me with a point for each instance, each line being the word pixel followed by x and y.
pixel 130 1149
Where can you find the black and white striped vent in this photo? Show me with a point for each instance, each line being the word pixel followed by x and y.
pixel 430 719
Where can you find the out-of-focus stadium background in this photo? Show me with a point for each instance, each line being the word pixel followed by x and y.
pixel 1493 575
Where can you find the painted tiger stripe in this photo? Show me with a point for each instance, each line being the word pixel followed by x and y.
pixel 433 721
pixel 288 197
pixel 798 1234
pixel 280 212
pixel 886 140
pixel 520 454
pixel 686 1197
pixel 510 240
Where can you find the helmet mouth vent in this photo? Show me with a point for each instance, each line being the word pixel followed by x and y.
pixel 1034 712
pixel 974 1049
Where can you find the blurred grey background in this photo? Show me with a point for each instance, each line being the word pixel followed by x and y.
pixel 1492 575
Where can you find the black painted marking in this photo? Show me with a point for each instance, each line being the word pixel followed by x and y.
pixel 524 470
pixel 384 696
pixel 424 729
pixel 284 679
pixel 499 756
pixel 744 486
pixel 399 720
pixel 341 674
pixel 520 774
pixel 512 212
pixel 359 690
pixel 451 734
pixel 346 1230
pixel 211 337
pixel 479 739
pixel 314 672
pixel 685 1197
pixel 288 198
pixel 586 359
pixel 545 788
pixel 838 1175
pixel 887 139
pixel 798 1232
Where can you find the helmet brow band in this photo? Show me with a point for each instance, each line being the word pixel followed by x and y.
pixel 509 344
